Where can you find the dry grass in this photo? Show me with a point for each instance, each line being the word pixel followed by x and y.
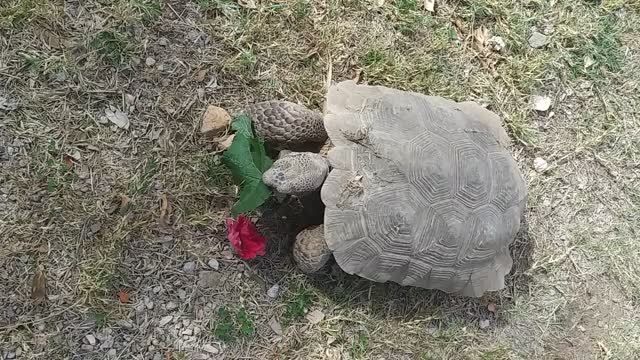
pixel 574 291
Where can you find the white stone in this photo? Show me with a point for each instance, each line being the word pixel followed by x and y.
pixel 165 320
pixel 91 339
pixel 214 264
pixel 210 349
pixel 541 103
pixel 540 164
pixel 273 291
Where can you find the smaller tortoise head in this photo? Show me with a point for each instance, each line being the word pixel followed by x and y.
pixel 297 173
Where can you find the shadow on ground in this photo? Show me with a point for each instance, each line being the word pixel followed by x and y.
pixel 280 223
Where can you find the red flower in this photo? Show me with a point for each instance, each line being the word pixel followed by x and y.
pixel 245 238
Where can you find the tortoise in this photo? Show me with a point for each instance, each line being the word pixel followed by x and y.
pixel 419 190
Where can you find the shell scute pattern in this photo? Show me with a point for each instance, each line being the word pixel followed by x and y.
pixel 448 222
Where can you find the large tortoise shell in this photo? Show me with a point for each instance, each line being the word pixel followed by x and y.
pixel 423 191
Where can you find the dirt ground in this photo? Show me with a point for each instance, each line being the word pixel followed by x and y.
pixel 80 198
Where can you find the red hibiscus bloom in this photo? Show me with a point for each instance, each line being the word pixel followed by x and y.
pixel 245 238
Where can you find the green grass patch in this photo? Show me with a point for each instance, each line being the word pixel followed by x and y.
pixel 113 46
pixel 297 304
pixel 141 183
pixel 233 324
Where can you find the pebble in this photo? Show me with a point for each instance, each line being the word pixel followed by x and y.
pixel 149 304
pixel 11 355
pixel 163 42
pixel 196 330
pixel 540 165
pixel 171 306
pixel 18 351
pixel 189 267
pixel 125 324
pixel 157 289
pixel 538 40
pixel 112 353
pixel 91 339
pixel 165 320
pixel 273 291
pixel 187 332
pixel 210 349
pixel 541 103
pixel 107 344
pixel 485 323
pixel 86 347
pixel 186 322
pixel 214 264
pixel 150 61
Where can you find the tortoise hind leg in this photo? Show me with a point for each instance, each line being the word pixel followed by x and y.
pixel 310 250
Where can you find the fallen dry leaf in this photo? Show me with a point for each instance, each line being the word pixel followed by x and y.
pixel 117 117
pixel 123 297
pixel 215 120
pixel 481 35
pixel 165 210
pixel 275 326
pixel 200 75
pixel 38 287
pixel 225 143
pixel 248 4
pixel 430 5
pixel 315 316
pixel 491 307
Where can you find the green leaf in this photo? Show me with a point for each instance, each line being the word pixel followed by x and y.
pixel 260 158
pixel 243 125
pixel 247 159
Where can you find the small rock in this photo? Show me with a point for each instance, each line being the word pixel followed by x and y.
pixel 209 279
pixel 163 41
pixel 189 267
pixel 182 294
pixel 170 306
pixel 148 304
pixel 187 332
pixel 315 316
pixel 496 43
pixel 210 349
pixel 12 355
pixel 18 351
pixel 273 291
pixel 151 348
pixel 214 264
pixel 157 289
pixel 275 326
pixel 196 330
pixel 186 322
pixel 540 164
pixel 86 347
pixel 150 61
pixel 130 99
pixel 107 344
pixel 538 40
pixel 484 323
pixel 165 320
pixel 91 339
pixel 125 324
pixel 112 353
pixel 215 120
pixel 541 103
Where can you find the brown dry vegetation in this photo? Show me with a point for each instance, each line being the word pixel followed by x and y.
pixel 574 292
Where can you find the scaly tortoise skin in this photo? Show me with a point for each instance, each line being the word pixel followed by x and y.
pixel 422 192
pixel 286 124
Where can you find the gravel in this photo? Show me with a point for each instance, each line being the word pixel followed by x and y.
pixel 189 267
pixel 91 339
pixel 214 264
